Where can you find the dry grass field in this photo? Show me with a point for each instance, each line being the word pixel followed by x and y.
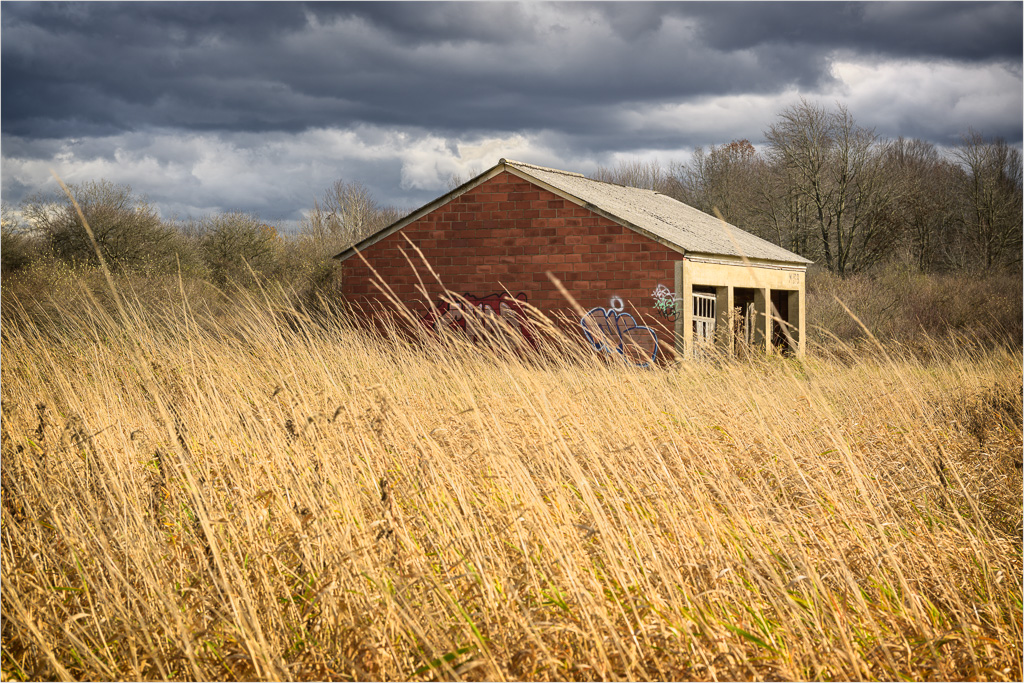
pixel 189 494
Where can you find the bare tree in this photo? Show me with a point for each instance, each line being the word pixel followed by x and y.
pixel 344 215
pixel 992 194
pixel 456 179
pixel 9 219
pixel 725 178
pixel 787 213
pixel 837 167
pixel 927 214
pixel 646 175
pixel 18 245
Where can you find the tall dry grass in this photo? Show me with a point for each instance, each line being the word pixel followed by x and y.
pixel 197 496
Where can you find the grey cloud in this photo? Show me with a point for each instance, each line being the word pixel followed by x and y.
pixel 97 68
pixel 950 30
pixel 178 23
pixel 417 23
pixel 579 79
pixel 633 22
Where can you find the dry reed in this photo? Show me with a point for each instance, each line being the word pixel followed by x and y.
pixel 190 497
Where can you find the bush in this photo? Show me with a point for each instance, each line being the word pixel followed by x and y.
pixel 906 306
pixel 127 229
pixel 16 251
pixel 17 246
pixel 235 246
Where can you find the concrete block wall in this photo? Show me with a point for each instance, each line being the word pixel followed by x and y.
pixel 505 234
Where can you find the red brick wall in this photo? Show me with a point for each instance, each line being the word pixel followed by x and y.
pixel 505 234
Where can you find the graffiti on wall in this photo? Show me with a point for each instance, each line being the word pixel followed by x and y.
pixel 498 306
pixel 664 301
pixel 614 332
pixel 616 304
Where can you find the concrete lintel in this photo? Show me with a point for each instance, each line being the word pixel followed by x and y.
pixel 741 262
pixel 751 276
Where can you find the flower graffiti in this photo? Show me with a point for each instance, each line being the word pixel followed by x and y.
pixel 664 301
pixel 614 332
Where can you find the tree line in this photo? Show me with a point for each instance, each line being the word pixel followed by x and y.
pixel 823 186
pixel 231 248
pixel 839 194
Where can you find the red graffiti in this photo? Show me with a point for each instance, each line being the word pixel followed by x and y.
pixel 509 309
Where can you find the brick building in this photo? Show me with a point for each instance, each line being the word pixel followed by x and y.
pixel 643 266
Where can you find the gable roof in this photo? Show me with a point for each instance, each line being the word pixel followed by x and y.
pixel 652 214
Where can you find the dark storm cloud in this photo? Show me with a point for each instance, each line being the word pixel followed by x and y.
pixel 418 23
pixel 210 106
pixel 946 30
pixel 95 68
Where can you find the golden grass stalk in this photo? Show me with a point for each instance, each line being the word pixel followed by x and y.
pixel 260 495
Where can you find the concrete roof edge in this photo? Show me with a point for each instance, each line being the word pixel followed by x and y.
pixel 752 260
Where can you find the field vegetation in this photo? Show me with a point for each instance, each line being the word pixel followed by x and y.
pixel 246 490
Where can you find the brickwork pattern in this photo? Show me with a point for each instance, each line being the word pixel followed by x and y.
pixel 504 235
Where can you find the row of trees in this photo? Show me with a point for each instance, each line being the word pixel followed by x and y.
pixel 837 193
pixel 823 186
pixel 233 247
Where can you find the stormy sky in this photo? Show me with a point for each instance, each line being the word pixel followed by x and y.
pixel 259 107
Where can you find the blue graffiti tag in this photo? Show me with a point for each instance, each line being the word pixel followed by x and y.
pixel 614 332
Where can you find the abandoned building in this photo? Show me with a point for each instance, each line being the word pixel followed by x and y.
pixel 645 267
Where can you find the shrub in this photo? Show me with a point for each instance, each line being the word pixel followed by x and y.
pixel 235 246
pixel 128 230
pixel 17 247
pixel 899 304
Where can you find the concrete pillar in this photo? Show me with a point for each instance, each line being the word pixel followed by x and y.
pixel 684 311
pixel 724 304
pixel 762 319
pixel 797 318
